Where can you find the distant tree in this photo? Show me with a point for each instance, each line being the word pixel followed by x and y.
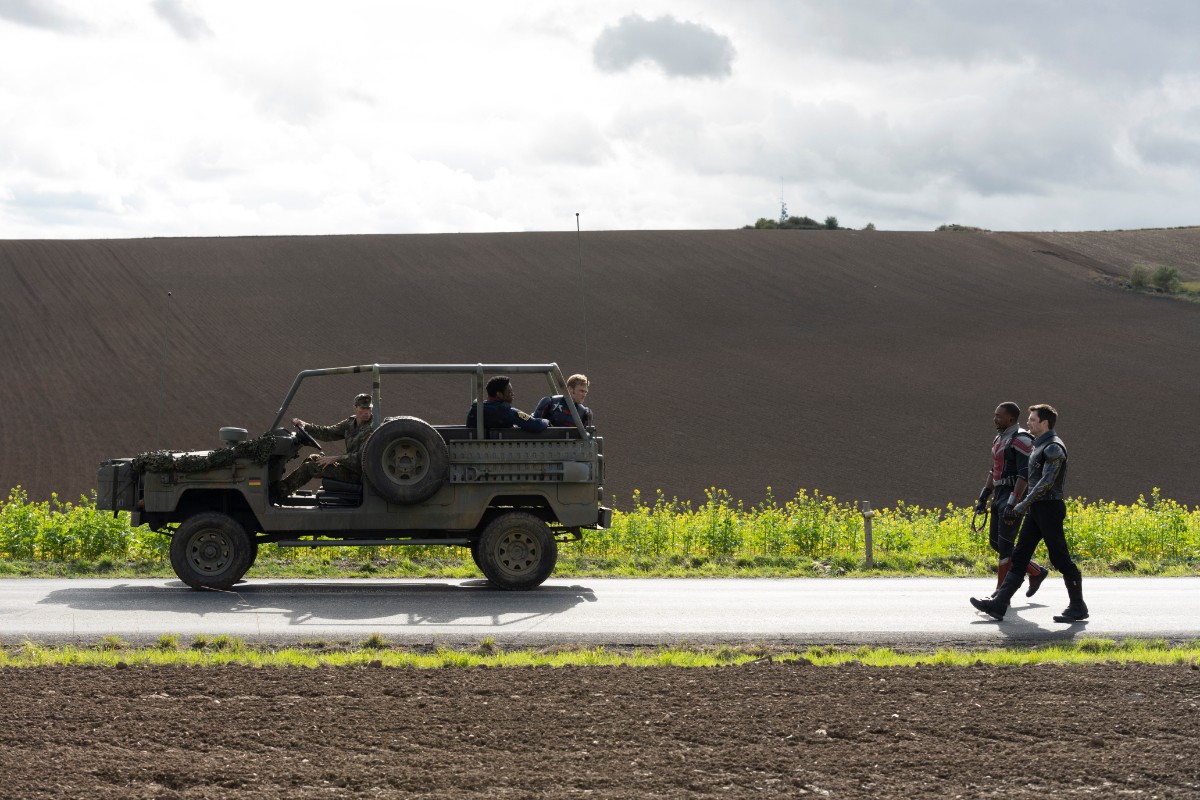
pixel 831 223
pixel 1166 279
pixel 1139 277
pixel 806 223
pixel 954 227
pixel 790 223
pixel 870 226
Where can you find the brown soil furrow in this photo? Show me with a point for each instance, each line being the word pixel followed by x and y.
pixel 865 365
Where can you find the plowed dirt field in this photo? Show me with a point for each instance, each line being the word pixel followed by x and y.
pixel 863 365
pixel 761 730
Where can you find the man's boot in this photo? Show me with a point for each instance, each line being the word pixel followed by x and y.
pixel 1001 572
pixel 997 605
pixel 1037 574
pixel 1077 610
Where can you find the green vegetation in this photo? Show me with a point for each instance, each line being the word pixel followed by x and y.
pixel 1162 279
pixel 808 535
pixel 377 653
pixel 786 222
pixel 956 227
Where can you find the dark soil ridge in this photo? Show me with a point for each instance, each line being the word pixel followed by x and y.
pixel 760 730
pixel 861 364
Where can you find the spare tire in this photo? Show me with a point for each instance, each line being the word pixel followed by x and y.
pixel 406 460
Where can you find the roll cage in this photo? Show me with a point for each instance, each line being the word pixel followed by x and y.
pixel 476 373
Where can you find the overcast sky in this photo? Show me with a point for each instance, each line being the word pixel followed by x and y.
pixel 135 118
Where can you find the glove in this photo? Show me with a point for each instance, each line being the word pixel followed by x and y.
pixel 1013 514
pixel 981 503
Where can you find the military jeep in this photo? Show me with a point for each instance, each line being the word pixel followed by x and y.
pixel 508 495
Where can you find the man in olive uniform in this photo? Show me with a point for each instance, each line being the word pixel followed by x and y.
pixel 347 467
pixel 1045 511
pixel 1005 486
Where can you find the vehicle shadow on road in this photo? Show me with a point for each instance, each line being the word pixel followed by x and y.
pixel 470 603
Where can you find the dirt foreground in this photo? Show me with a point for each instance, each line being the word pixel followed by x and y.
pixel 761 730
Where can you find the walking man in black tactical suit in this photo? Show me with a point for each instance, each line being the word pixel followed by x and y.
pixel 498 411
pixel 1005 486
pixel 1044 512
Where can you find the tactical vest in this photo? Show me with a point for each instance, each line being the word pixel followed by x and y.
pixel 1004 458
pixel 1037 464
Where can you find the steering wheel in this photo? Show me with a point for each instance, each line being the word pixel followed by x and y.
pixel 305 438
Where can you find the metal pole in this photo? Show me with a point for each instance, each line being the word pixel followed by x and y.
pixel 864 508
pixel 162 372
pixel 583 286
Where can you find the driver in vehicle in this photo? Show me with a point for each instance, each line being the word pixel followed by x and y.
pixel 347 467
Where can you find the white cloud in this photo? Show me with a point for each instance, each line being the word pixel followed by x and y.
pixel 182 19
pixel 44 14
pixel 679 48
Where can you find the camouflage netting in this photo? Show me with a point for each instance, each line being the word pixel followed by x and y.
pixel 257 450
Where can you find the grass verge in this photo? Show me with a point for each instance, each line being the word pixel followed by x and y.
pixel 574 566
pixel 375 652
pixel 808 535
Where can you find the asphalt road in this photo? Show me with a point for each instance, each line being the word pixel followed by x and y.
pixel 917 612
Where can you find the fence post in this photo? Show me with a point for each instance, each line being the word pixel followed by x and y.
pixel 864 507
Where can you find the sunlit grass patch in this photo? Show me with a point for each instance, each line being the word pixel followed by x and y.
pixel 1081 652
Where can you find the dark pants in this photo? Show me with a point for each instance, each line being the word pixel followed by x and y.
pixel 1044 523
pixel 309 469
pixel 1001 535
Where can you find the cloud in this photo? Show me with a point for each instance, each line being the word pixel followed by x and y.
pixel 1113 41
pixel 185 22
pixel 680 49
pixel 45 15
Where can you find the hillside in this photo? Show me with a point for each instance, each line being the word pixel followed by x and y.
pixel 862 364
pixel 1124 250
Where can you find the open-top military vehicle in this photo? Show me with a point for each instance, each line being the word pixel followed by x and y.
pixel 508 495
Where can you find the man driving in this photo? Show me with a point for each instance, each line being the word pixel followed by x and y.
pixel 347 467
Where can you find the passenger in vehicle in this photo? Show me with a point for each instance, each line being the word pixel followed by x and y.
pixel 498 411
pixel 555 410
pixel 347 467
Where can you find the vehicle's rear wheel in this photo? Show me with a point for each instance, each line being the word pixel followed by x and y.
pixel 406 460
pixel 211 551
pixel 516 551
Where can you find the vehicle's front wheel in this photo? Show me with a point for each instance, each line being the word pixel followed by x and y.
pixel 516 551
pixel 211 551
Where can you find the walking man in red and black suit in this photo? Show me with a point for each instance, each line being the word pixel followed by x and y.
pixel 1006 486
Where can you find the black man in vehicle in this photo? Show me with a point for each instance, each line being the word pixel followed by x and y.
pixel 498 410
